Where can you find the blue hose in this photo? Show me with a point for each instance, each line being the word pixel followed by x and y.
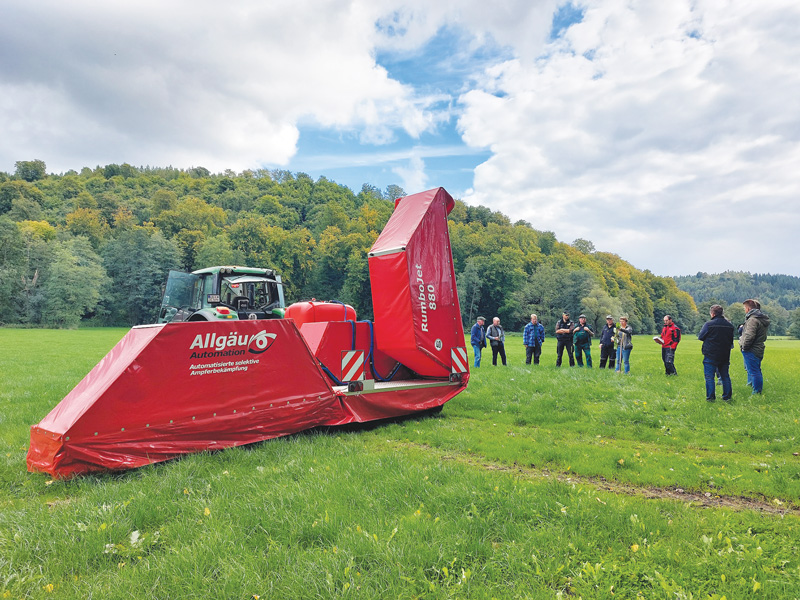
pixel 370 355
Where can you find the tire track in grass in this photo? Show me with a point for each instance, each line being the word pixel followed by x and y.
pixel 700 499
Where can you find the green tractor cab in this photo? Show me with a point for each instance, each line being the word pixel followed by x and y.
pixel 222 293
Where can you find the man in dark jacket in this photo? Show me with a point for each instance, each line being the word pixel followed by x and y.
pixel 607 335
pixel 582 337
pixel 717 338
pixel 478 340
pixel 754 334
pixel 564 330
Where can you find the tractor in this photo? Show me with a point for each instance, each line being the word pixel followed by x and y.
pixel 222 293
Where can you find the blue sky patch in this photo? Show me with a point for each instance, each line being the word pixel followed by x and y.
pixel 446 63
pixel 565 15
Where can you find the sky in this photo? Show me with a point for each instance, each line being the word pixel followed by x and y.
pixel 665 132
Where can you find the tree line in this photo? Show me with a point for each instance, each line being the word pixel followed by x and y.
pixel 95 247
pixel 779 295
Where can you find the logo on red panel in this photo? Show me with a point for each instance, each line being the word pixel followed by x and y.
pixel 232 344
pixel 260 342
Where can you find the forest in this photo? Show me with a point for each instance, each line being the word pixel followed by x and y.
pixel 94 248
pixel 779 294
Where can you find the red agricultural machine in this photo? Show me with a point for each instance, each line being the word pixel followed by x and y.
pixel 240 373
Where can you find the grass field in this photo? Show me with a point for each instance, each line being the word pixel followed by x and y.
pixel 534 483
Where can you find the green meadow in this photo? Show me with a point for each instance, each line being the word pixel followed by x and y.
pixel 536 482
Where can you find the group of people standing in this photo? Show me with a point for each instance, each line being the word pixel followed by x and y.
pixel 717 337
pixel 576 338
pixel 616 343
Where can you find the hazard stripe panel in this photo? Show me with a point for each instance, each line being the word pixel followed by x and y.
pixel 458 358
pixel 353 365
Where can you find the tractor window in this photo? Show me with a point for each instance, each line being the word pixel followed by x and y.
pixel 228 291
pixel 254 288
pixel 182 291
pixel 207 289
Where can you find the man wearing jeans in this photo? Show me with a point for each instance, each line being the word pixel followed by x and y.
pixel 717 338
pixel 754 333
pixel 478 340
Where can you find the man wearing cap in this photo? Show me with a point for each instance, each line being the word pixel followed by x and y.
pixel 607 335
pixel 582 337
pixel 478 340
pixel 532 339
pixel 564 330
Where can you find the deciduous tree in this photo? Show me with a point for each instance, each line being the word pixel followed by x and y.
pixel 30 170
pixel 73 285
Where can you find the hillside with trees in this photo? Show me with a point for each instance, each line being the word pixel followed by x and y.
pixel 779 294
pixel 94 247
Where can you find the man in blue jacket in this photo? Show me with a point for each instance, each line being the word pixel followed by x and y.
pixel 717 338
pixel 478 340
pixel 607 335
pixel 533 338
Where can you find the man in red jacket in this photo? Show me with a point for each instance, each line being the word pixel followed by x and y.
pixel 670 336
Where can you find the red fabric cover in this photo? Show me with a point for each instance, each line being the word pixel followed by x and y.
pixel 168 390
pixel 142 404
pixel 417 316
pixel 381 405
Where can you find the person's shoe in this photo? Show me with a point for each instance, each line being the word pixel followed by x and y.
pixel 711 399
pixel 728 399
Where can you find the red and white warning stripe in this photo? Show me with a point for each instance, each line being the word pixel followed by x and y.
pixel 458 358
pixel 352 365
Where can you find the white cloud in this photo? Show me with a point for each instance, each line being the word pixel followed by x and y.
pixel 409 24
pixel 413 175
pixel 675 124
pixel 192 82
pixel 671 123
